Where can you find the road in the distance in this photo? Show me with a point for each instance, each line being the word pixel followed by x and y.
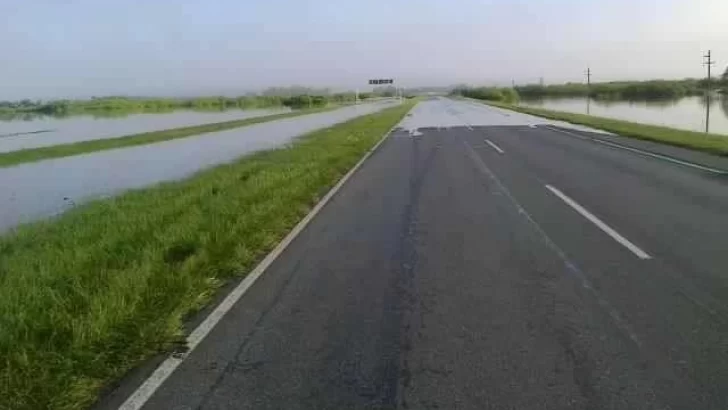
pixel 486 261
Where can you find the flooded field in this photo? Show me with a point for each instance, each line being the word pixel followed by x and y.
pixel 40 131
pixel 41 189
pixel 690 113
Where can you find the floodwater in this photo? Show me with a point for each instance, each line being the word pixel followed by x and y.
pixel 36 190
pixel 447 112
pixel 40 131
pixel 688 113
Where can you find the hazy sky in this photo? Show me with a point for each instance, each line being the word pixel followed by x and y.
pixel 78 48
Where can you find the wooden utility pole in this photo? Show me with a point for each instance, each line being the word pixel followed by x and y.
pixel 588 76
pixel 709 63
pixel 588 91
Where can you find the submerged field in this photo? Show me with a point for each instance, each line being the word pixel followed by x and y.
pixel 82 147
pixel 711 143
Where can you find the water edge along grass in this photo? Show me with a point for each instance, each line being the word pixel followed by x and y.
pixel 89 295
pixel 710 143
pixel 12 158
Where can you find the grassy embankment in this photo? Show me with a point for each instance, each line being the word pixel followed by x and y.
pixel 65 150
pixel 91 294
pixel 711 143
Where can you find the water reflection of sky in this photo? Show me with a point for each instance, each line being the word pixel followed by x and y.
pixel 47 130
pixel 686 113
pixel 36 190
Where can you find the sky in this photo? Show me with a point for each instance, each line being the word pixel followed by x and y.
pixel 82 48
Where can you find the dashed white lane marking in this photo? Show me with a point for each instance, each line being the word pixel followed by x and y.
pixel 571 266
pixel 495 147
pixel 601 225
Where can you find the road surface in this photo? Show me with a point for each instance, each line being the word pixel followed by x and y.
pixel 482 259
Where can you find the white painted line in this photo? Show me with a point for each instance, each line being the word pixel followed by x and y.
pixel 495 147
pixel 144 392
pixel 568 133
pixel 644 153
pixel 570 266
pixel 596 221
pixel 662 157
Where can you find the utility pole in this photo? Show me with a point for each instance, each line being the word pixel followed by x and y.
pixel 588 91
pixel 588 77
pixel 709 63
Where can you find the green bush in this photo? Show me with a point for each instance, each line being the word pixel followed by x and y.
pixel 508 95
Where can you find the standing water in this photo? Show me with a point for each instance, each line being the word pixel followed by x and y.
pixel 33 131
pixel 689 113
pixel 39 189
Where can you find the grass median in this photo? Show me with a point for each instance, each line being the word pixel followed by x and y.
pixel 711 143
pixel 90 294
pixel 8 159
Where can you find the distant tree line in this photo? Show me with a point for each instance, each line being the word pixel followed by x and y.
pixel 498 94
pixel 628 90
pixel 293 97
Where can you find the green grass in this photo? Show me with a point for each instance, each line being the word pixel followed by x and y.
pixel 711 143
pixel 8 159
pixel 94 292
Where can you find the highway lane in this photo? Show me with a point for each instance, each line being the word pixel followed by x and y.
pixel 485 261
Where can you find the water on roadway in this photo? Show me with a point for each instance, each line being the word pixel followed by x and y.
pixel 444 112
pixel 41 189
pixel 43 131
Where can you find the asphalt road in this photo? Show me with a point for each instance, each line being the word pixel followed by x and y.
pixel 483 260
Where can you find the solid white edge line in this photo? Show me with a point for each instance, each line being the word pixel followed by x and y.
pixel 662 157
pixel 144 392
pixel 601 225
pixel 549 127
pixel 495 147
pixel 641 152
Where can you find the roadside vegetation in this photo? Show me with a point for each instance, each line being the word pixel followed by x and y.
pixel 625 90
pixel 711 143
pixel 616 90
pixel 296 98
pixel 94 292
pixel 505 95
pixel 11 158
